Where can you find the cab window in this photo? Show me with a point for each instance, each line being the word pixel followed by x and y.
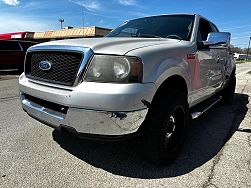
pixel 204 29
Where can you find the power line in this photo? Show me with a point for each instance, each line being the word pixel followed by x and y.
pixel 237 27
pixel 243 37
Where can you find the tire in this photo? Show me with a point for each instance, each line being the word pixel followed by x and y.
pixel 165 127
pixel 229 90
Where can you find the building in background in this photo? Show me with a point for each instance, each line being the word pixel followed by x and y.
pixel 66 33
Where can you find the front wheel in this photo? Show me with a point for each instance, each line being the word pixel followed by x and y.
pixel 165 127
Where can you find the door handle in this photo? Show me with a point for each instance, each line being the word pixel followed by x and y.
pixel 219 59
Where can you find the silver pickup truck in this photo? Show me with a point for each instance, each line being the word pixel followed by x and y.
pixel 148 77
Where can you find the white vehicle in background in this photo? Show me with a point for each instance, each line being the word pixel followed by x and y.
pixel 242 56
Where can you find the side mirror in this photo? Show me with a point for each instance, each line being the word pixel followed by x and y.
pixel 218 38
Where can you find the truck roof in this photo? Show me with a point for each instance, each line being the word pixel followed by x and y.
pixel 177 14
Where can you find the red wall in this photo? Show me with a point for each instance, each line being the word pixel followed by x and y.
pixel 16 35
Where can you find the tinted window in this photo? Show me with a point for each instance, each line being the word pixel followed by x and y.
pixel 204 29
pixel 170 26
pixel 9 46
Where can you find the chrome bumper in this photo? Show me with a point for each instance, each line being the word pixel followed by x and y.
pixel 98 109
pixel 87 121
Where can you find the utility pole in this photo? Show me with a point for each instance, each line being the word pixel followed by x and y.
pixel 61 22
pixel 248 48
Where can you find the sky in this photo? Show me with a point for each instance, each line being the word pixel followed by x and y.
pixel 42 15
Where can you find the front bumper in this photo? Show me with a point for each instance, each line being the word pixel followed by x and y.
pixel 86 115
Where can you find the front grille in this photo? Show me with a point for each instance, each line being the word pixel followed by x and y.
pixel 64 66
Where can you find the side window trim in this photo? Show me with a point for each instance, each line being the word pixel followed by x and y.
pixel 21 47
pixel 214 28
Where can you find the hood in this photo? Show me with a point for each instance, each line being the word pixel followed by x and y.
pixel 112 45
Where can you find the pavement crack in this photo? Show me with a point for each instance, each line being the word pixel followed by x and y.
pixel 8 98
pixel 238 114
pixel 244 88
pixel 214 185
pixel 211 175
pixel 249 165
pixel 249 140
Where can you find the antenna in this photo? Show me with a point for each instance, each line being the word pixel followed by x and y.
pixel 83 20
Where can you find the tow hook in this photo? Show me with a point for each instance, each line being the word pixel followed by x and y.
pixel 146 103
pixel 119 115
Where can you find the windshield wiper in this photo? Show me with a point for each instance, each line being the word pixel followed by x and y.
pixel 146 36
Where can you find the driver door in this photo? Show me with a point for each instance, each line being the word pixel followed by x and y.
pixel 210 61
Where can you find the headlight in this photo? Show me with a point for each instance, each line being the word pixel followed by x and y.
pixel 108 68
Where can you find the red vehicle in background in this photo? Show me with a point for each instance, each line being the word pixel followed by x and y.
pixel 12 53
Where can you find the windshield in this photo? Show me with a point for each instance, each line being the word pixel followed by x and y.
pixel 168 26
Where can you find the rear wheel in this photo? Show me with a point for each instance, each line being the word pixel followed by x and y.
pixel 165 126
pixel 229 90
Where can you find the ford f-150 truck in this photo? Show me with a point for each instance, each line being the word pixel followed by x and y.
pixel 148 77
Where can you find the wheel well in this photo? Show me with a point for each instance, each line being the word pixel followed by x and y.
pixel 173 82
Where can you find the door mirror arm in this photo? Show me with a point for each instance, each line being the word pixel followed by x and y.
pixel 202 46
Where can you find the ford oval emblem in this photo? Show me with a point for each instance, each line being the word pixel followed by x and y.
pixel 44 65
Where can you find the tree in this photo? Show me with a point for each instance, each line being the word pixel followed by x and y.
pixel 239 50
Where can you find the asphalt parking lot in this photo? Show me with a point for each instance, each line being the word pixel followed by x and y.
pixel 217 151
